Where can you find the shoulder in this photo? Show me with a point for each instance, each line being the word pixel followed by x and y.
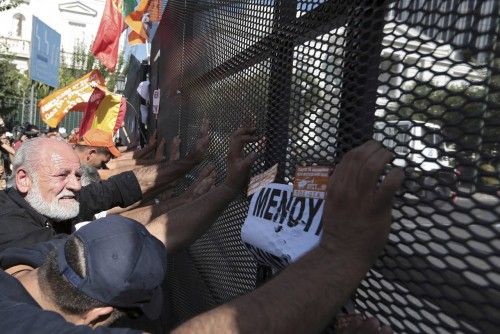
pixel 5 200
pixel 32 256
pixel 11 202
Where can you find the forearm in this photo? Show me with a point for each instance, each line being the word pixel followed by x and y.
pixel 147 201
pixel 118 210
pixel 8 148
pixel 141 154
pixel 128 163
pixel 181 226
pixel 310 286
pixel 126 155
pixel 142 214
pixel 105 174
pixel 162 174
pixel 146 213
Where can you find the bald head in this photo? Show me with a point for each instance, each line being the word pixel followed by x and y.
pixel 34 151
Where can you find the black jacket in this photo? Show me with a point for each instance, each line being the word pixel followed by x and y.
pixel 22 226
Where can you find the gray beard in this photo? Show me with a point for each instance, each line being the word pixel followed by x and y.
pixel 52 210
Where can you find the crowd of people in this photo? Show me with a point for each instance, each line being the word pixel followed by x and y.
pixel 86 227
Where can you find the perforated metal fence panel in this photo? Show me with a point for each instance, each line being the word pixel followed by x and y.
pixel 321 77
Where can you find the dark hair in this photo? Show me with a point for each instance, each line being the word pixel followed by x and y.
pixel 63 293
pixel 99 149
pixel 89 175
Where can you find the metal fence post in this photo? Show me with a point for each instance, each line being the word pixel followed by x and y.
pixel 280 81
pixel 32 97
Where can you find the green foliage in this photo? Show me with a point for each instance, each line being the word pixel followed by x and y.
pixel 14 83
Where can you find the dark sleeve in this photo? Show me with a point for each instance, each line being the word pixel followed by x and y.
pixel 119 190
pixel 33 256
pixel 26 319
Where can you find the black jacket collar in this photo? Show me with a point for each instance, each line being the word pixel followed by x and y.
pixel 19 200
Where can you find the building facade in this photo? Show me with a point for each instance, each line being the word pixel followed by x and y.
pixel 76 21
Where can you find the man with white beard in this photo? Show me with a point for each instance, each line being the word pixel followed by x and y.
pixel 48 196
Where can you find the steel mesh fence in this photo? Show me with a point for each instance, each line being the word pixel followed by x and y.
pixel 19 113
pixel 320 77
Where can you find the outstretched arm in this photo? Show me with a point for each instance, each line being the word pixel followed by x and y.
pixel 180 227
pixel 304 297
pixel 166 202
pixel 105 174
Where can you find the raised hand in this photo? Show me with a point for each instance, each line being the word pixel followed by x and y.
pixel 357 215
pixel 197 154
pixel 238 165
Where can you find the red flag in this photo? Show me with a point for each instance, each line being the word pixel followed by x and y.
pixel 89 113
pixel 121 114
pixel 105 47
pixel 104 110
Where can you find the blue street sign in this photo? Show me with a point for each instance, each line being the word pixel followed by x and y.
pixel 45 53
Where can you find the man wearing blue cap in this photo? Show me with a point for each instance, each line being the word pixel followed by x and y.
pixel 104 270
pixel 115 265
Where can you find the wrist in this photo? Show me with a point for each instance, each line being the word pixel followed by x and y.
pixel 229 189
pixel 351 258
pixel 194 158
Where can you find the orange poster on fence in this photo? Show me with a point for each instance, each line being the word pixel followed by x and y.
pixel 310 181
pixel 54 107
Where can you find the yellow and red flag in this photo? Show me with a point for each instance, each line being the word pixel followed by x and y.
pixel 90 109
pixel 110 113
pixel 154 10
pixel 105 111
pixel 138 35
pixel 105 47
pixel 54 107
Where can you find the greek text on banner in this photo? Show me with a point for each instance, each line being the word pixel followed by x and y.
pixel 282 225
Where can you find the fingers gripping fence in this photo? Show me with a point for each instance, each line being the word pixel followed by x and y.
pixel 320 77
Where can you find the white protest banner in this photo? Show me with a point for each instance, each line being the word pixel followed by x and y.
pixel 279 227
pixel 156 101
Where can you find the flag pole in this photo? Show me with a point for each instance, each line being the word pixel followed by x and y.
pixel 32 98
pixel 148 52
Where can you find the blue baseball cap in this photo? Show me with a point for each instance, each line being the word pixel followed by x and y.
pixel 125 265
